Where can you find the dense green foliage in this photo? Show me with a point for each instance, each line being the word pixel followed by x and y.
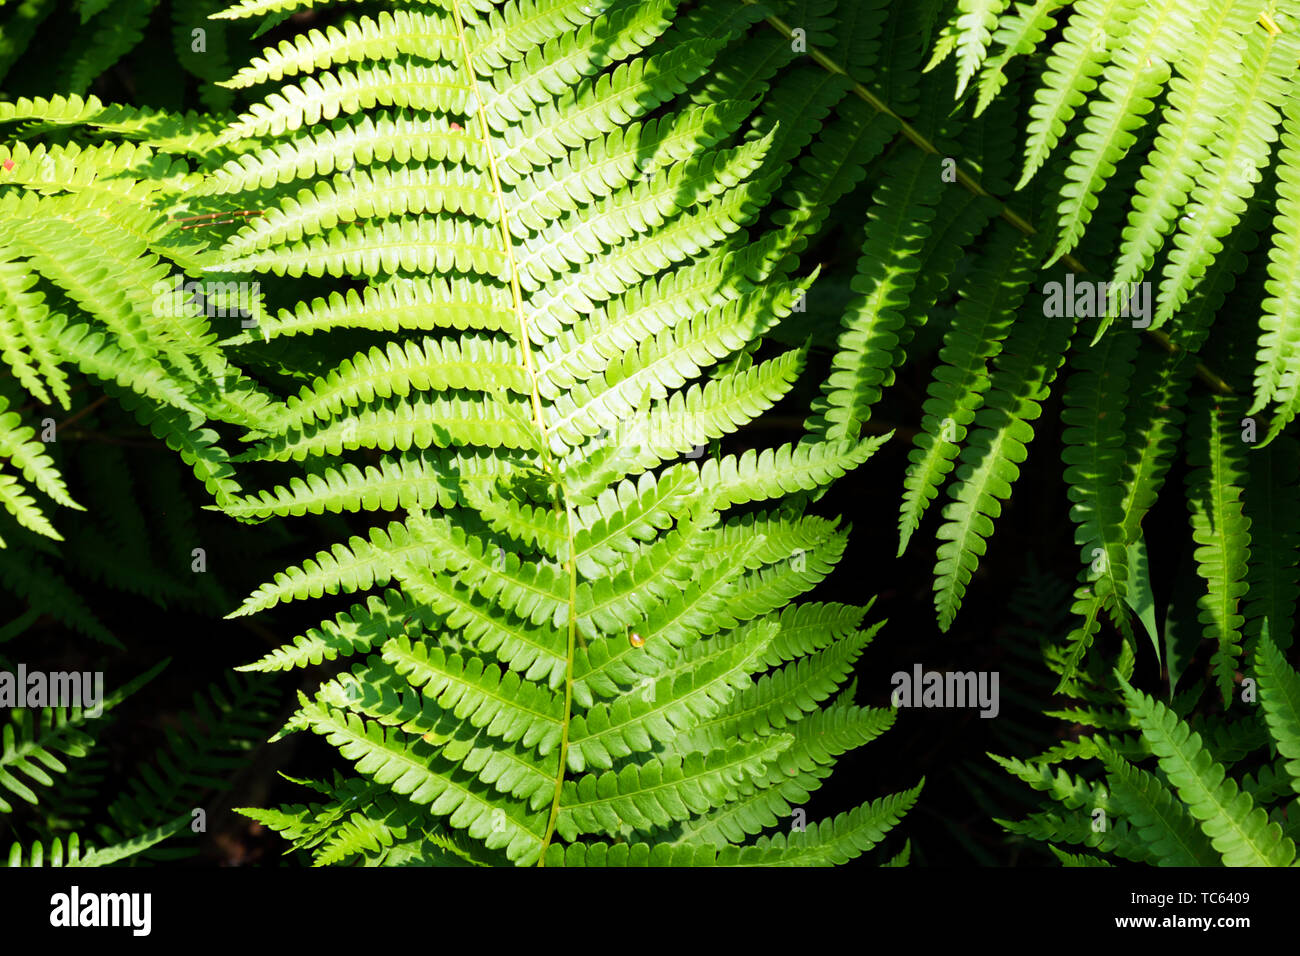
pixel 500 295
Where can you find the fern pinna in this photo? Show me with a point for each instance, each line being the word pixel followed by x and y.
pixel 581 649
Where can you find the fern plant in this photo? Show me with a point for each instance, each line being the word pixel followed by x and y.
pixel 52 759
pixel 1184 809
pixel 586 654
pixel 1188 109
pixel 1135 395
pixel 96 296
pixel 533 275
pixel 72 49
pixel 941 192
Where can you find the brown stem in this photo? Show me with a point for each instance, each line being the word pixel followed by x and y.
pixel 85 410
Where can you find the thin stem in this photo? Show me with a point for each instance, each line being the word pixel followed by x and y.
pixel 83 411
pixel 30 405
pixel 516 294
pixel 568 693
pixel 525 348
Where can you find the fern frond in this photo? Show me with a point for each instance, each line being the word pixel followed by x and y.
pixel 384 37
pixel 1162 823
pixel 504 704
pixel 984 318
pixel 33 738
pixel 1221 530
pixel 1275 374
pixel 77 854
pixel 31 748
pixel 1279 694
pixel 865 351
pixel 546 205
pixel 654 794
pixel 1272 578
pixel 1019 35
pixel 1021 380
pixel 1094 454
pixel 1137 72
pixel 1238 153
pixel 1238 829
pixel 1200 94
pixel 791 778
pixel 831 842
pixel 418 773
pixel 976 20
pixel 1096 27
pixel 362 564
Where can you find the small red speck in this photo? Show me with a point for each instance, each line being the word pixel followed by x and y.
pixel 455 126
pixel 9 164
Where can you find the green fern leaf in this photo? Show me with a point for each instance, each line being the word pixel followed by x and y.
pixel 1279 693
pixel 1222 531
pixel 1238 829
